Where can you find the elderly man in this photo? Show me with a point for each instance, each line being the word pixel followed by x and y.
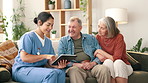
pixel 83 45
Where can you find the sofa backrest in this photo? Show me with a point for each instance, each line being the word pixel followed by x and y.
pixel 142 58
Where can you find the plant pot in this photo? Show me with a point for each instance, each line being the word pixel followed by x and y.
pixel 53 36
pixel 51 6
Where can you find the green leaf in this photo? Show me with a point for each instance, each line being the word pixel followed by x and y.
pixel 138 45
pixel 53 31
pixel 145 49
pixel 95 33
pixel 18 27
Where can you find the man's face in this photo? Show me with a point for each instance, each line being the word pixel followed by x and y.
pixel 74 30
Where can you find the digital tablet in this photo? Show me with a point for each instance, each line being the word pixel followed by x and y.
pixel 67 57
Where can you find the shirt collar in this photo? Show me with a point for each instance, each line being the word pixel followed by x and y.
pixel 83 37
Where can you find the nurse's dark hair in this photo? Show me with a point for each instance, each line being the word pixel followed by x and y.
pixel 43 17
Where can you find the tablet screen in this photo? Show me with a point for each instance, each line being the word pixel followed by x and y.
pixel 67 57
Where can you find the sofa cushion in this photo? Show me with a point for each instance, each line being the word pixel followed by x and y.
pixel 8 51
pixel 134 63
pixel 4 75
pixel 138 77
pixel 88 80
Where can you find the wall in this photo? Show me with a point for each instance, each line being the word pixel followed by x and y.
pixel 137 21
pixel 32 8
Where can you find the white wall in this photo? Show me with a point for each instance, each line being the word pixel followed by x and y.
pixel 32 9
pixel 137 21
pixel 137 13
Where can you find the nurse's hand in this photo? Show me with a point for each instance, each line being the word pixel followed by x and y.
pixel 61 64
pixel 51 57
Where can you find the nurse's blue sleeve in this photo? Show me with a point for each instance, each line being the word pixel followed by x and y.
pixel 26 43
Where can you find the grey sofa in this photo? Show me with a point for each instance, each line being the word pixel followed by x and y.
pixel 139 62
pixel 140 74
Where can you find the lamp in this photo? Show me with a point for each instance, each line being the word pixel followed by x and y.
pixel 118 14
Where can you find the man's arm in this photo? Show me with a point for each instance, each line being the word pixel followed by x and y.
pixel 61 47
pixel 97 46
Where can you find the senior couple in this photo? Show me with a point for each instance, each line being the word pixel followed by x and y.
pixel 90 56
pixel 103 57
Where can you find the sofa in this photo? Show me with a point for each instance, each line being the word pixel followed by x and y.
pixel 139 62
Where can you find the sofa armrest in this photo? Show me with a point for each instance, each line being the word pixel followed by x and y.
pixel 134 63
pixel 142 58
pixel 5 75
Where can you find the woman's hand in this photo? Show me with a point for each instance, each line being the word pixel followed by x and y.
pixel 100 54
pixel 101 58
pixel 61 64
pixel 98 51
pixel 50 57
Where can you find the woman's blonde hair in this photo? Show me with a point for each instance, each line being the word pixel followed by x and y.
pixel 110 25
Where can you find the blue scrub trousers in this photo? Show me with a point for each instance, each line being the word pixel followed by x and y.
pixel 40 75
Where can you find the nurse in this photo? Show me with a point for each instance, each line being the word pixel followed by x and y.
pixel 36 51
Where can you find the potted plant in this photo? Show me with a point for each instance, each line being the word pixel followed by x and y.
pixel 51 5
pixel 53 32
pixel 94 33
pixel 83 6
pixel 4 25
pixel 137 47
pixel 18 25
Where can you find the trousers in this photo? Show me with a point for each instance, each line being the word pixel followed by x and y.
pixel 118 68
pixel 79 75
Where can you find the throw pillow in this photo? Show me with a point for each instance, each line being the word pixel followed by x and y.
pixel 134 63
pixel 8 51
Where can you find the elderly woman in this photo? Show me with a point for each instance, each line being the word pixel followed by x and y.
pixel 113 52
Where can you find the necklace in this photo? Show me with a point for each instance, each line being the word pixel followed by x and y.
pixel 106 41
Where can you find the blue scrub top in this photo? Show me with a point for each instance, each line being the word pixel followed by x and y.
pixel 31 44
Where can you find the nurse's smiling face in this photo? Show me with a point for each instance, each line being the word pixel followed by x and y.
pixel 47 26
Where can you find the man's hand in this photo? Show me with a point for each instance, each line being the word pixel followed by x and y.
pixel 78 65
pixel 88 65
